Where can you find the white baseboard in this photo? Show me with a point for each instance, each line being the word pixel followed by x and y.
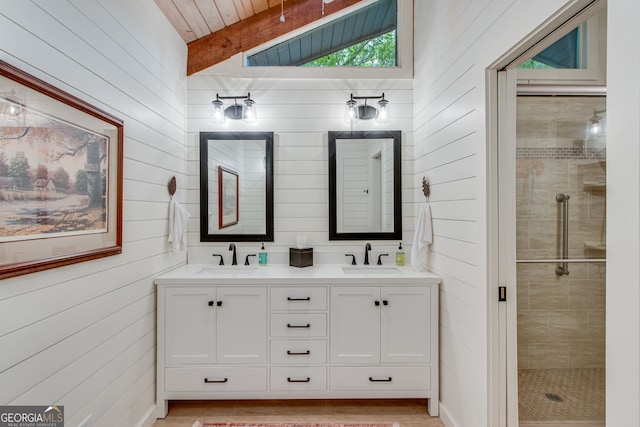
pixel 447 419
pixel 572 424
pixel 148 419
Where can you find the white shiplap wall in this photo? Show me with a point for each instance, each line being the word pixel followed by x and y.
pixel 300 112
pixel 457 43
pixel 623 214
pixel 83 336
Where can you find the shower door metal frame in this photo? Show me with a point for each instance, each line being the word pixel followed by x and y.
pixel 508 92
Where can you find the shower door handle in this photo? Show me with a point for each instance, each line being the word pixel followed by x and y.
pixel 563 270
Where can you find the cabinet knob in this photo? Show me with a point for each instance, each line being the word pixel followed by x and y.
pixel 210 303
pixel 377 303
pixel 219 303
pixel 385 302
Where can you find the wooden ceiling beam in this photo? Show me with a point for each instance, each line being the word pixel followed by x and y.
pixel 256 30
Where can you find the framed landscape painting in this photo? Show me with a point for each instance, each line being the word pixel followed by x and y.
pixel 60 177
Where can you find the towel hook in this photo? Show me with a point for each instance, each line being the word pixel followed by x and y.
pixel 172 185
pixel 426 188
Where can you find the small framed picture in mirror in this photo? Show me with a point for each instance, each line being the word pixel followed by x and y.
pixel 227 197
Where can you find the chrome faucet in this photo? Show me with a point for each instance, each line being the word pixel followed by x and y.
pixel 234 260
pixel 367 248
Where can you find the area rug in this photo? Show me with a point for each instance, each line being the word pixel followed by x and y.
pixel 205 424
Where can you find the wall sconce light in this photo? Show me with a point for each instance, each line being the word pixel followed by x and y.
pixel 355 111
pixel 10 105
pixel 246 110
pixel 596 124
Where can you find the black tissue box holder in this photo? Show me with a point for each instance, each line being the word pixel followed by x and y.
pixel 300 257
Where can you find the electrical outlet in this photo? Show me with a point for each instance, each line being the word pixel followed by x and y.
pixel 86 422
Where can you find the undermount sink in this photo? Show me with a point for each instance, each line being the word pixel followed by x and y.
pixel 238 269
pixel 370 270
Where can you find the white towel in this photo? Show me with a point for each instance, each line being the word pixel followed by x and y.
pixel 178 219
pixel 422 238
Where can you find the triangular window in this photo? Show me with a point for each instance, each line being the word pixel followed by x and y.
pixel 364 38
pixel 567 53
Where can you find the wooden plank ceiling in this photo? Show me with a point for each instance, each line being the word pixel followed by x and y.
pixel 215 30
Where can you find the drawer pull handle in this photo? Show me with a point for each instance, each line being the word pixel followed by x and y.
pixel 208 381
pixel 289 325
pixel 299 299
pixel 386 380
pixel 298 353
pixel 306 380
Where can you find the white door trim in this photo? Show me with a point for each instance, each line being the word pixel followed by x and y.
pixel 507 93
pixel 501 99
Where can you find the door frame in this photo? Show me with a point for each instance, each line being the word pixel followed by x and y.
pixel 502 88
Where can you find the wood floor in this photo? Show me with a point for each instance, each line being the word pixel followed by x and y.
pixel 407 413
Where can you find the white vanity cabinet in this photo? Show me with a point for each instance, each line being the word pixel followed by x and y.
pixel 276 333
pixel 215 325
pixel 383 341
pixel 371 325
pixel 298 340
pixel 212 340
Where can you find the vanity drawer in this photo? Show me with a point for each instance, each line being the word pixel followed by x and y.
pixel 303 325
pixel 216 379
pixel 298 298
pixel 380 378
pixel 307 352
pixel 298 378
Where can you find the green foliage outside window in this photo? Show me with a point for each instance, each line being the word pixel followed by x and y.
pixel 532 63
pixel 377 52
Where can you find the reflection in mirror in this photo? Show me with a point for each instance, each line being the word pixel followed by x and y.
pixel 236 186
pixel 364 185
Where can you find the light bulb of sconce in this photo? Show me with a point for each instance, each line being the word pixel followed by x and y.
pixel 595 126
pixel 383 111
pixel 351 111
pixel 250 114
pixel 217 114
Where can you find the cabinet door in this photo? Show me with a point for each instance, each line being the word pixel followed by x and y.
pixel 405 324
pixel 190 332
pixel 242 325
pixel 355 325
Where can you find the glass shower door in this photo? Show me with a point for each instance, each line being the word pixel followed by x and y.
pixel 561 252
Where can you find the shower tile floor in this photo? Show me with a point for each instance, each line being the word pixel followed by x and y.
pixel 561 396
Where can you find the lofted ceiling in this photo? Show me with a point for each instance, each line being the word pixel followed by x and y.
pixel 216 30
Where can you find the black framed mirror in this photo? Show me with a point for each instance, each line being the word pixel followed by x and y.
pixel 236 187
pixel 365 188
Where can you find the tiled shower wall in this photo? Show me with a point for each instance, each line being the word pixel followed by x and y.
pixel 561 320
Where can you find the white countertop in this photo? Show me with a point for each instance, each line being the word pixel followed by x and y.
pixel 279 274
